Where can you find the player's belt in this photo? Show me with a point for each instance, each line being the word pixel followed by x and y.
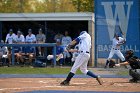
pixel 116 49
pixel 84 52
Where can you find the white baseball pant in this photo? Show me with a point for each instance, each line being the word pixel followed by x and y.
pixel 117 52
pixel 81 62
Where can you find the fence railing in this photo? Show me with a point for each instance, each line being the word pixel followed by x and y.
pixel 31 45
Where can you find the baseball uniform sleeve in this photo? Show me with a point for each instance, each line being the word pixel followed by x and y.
pixel 70 39
pixel 34 38
pixel 23 38
pixel 44 38
pixel 80 37
pixel 26 39
pixel 7 36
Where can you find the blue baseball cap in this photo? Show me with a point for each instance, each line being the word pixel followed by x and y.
pixel 10 30
pixel 29 30
pixel 40 30
pixel 18 32
pixel 58 40
pixel 2 41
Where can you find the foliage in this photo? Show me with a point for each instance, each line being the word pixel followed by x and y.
pixel 84 5
pixel 42 6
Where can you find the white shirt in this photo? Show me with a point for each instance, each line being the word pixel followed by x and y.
pixel 10 38
pixel 85 42
pixel 116 42
pixel 19 39
pixel 30 38
pixel 3 50
pixel 66 40
pixel 41 38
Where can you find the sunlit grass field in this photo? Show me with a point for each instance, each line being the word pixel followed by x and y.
pixel 29 70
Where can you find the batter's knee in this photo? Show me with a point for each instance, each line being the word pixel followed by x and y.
pixel 123 59
pixel 108 59
pixel 84 71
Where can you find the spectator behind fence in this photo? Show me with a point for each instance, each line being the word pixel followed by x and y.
pixel 10 39
pixel 30 38
pixel 3 52
pixel 59 53
pixel 41 38
pixel 30 51
pixel 58 36
pixel 19 39
pixel 65 41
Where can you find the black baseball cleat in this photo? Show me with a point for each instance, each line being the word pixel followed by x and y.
pixel 106 65
pixel 133 80
pixel 99 80
pixel 65 83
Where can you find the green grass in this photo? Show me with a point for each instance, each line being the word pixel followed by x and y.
pixel 122 73
pixel 28 70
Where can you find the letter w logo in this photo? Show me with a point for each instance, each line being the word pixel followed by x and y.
pixel 120 15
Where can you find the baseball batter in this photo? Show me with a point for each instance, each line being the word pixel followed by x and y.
pixel 82 59
pixel 116 43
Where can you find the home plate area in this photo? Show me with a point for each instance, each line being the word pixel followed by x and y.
pixel 77 85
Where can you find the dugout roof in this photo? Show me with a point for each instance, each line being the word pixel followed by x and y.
pixel 70 16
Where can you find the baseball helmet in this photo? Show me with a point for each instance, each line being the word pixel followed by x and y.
pixel 82 32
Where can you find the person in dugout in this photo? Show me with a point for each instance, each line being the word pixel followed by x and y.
pixel 59 53
pixel 9 39
pixel 19 39
pixel 134 63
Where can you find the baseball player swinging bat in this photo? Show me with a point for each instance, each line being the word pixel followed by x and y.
pixel 82 59
pixel 117 42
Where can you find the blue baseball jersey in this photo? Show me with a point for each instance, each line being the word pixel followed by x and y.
pixel 59 50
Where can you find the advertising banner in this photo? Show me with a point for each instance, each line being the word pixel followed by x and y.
pixel 116 16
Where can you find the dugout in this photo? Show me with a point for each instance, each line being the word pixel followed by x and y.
pixel 51 23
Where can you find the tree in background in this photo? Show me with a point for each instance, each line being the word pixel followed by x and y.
pixel 84 5
pixel 44 6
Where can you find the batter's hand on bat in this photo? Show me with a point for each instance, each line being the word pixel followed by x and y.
pixel 68 47
pixel 73 50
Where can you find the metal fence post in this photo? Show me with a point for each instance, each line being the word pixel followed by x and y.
pixel 54 53
pixel 0 31
pixel 13 57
